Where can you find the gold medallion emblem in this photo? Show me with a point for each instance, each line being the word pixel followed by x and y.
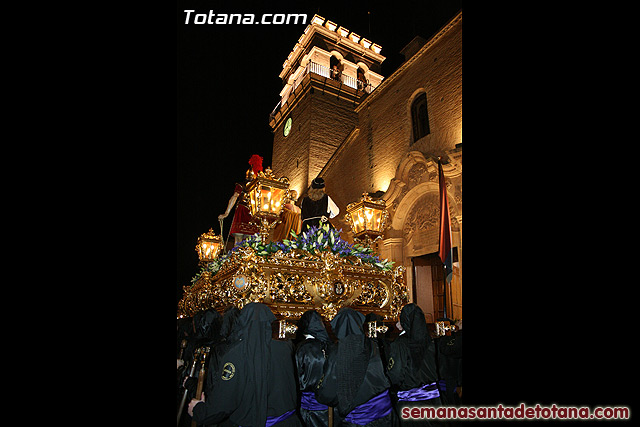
pixel 228 371
pixel 391 363
pixel 240 282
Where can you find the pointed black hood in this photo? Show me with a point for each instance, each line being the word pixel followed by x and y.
pixel 207 324
pixel 311 324
pixel 347 322
pixel 352 357
pixel 413 322
pixel 228 320
pixel 252 330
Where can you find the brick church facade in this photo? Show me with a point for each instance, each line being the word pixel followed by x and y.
pixel 338 118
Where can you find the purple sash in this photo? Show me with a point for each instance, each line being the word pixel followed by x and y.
pixel 426 392
pixel 308 401
pixel 274 420
pixel 377 407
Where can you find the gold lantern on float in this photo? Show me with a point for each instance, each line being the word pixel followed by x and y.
pixel 368 219
pixel 265 196
pixel 209 246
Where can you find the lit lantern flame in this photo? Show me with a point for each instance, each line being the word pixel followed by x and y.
pixel 266 194
pixel 209 246
pixel 367 217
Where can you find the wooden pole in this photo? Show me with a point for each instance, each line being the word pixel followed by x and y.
pixel 330 416
pixel 184 395
pixel 201 375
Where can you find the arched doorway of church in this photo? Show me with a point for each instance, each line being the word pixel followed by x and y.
pixel 428 287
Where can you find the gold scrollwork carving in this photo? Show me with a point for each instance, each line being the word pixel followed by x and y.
pixel 373 293
pixel 288 288
pixel 291 283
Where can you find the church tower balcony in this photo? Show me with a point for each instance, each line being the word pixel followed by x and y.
pixel 329 72
pixel 335 58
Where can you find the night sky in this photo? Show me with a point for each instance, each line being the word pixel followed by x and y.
pixel 227 84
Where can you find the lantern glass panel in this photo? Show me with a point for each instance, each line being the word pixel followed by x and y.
pixel 358 221
pixel 207 249
pixel 265 199
pixel 276 199
pixel 255 200
pixel 368 214
pixel 377 215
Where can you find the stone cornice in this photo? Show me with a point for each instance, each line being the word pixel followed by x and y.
pixel 340 36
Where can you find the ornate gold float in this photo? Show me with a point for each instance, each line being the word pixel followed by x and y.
pixel 294 280
pixel 317 270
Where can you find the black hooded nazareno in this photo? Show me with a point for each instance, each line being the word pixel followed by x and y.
pixel 412 364
pixel 354 381
pixel 310 357
pixel 255 381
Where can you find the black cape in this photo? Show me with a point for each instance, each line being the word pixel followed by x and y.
pixel 217 352
pixel 206 326
pixel 412 360
pixel 312 210
pixel 206 332
pixel 255 379
pixel 310 358
pixel 220 349
pixel 353 372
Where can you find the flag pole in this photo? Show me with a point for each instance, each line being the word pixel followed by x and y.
pixel 445 244
pixel 444 297
pixel 447 285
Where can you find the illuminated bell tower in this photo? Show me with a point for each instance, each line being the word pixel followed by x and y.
pixel 325 77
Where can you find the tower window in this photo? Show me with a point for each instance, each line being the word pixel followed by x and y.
pixel 420 117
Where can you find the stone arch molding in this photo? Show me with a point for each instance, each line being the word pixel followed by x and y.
pixel 337 54
pixel 413 202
